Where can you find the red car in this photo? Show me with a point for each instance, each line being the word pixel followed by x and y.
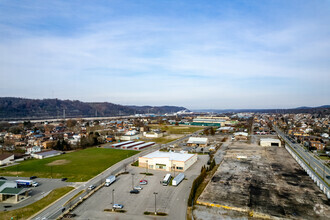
pixel 143 182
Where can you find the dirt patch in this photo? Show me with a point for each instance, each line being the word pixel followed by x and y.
pixel 14 173
pixel 174 136
pixel 58 162
pixel 180 128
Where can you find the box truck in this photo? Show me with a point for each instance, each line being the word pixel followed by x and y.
pixel 110 180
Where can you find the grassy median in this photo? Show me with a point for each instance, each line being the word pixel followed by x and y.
pixel 77 166
pixel 28 211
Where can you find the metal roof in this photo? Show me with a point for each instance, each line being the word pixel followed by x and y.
pixel 270 139
pixel 197 140
pixel 170 155
pixel 47 153
pixel 12 191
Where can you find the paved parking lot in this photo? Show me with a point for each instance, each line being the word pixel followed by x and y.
pixel 37 193
pixel 171 200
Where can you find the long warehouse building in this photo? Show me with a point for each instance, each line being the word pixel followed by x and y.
pixel 142 146
pixel 127 146
pixel 121 144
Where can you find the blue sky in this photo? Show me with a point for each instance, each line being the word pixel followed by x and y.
pixel 197 54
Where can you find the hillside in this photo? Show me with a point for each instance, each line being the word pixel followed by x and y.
pixel 324 110
pixel 21 108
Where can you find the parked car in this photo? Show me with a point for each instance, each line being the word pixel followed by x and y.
pixel 64 179
pixel 134 191
pixel 143 182
pixel 91 187
pixel 33 177
pixel 138 187
pixel 117 206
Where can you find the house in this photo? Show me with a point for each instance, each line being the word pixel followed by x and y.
pixel 317 144
pixel 167 161
pixel 197 142
pixel 34 149
pixel 48 144
pixel 109 138
pixel 46 154
pixel 6 158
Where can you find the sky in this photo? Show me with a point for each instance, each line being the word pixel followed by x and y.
pixel 221 54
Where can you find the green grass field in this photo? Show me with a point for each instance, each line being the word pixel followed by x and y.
pixel 28 211
pixel 78 166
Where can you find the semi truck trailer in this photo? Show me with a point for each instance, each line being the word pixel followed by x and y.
pixel 110 180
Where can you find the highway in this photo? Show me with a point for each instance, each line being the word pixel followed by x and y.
pixel 316 164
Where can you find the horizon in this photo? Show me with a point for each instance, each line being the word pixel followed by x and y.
pixel 191 109
pixel 200 55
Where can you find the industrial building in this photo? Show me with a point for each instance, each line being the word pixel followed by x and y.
pixel 209 121
pixel 241 136
pixel 46 154
pixel 197 142
pixel 268 142
pixel 167 161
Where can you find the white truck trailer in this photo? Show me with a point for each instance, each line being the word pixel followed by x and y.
pixel 26 183
pixel 110 180
pixel 177 180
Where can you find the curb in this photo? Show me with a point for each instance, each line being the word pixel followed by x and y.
pixel 49 205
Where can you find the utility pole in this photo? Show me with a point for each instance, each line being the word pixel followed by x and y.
pixel 155 203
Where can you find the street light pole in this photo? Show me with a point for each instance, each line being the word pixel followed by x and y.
pixel 155 203
pixel 113 198
pixel 132 180
pixel 147 167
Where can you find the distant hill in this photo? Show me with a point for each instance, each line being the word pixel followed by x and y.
pixel 324 109
pixel 21 108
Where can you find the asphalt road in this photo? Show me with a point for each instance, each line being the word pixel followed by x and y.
pixel 318 166
pixel 169 199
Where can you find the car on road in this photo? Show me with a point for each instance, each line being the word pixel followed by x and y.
pixel 134 191
pixel 64 179
pixel 143 182
pixel 138 187
pixel 33 177
pixel 117 206
pixel 35 184
pixel 3 178
pixel 91 187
